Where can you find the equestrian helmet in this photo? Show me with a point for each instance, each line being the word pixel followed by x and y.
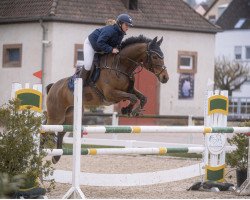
pixel 124 18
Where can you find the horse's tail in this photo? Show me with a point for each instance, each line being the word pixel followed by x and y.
pixel 48 87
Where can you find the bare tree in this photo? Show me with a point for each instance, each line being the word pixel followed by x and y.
pixel 230 75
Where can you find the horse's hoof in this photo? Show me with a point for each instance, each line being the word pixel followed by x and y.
pixel 136 112
pixel 55 159
pixel 126 111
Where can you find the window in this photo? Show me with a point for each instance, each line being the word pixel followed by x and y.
pixel 240 23
pixel 131 4
pixel 238 52
pixel 12 55
pixel 212 18
pixel 221 9
pixel 78 53
pixel 187 62
pixel 248 52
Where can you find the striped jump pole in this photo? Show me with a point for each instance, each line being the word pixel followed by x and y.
pixel 146 129
pixel 214 130
pixel 126 151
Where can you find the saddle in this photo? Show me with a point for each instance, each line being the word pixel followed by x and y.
pixel 94 76
pixel 94 73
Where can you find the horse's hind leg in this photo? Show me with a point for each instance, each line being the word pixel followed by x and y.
pixel 59 143
pixel 55 137
pixel 68 121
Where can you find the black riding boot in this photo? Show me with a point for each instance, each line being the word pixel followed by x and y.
pixel 84 74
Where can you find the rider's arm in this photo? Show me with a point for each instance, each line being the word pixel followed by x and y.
pixel 102 41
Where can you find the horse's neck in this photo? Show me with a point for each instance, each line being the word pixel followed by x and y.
pixel 135 51
pixel 131 56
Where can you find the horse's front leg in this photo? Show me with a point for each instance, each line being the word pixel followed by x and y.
pixel 137 110
pixel 141 97
pixel 118 95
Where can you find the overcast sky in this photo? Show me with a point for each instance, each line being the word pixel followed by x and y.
pixel 199 1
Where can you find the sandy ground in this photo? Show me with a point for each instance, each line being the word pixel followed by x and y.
pixel 135 164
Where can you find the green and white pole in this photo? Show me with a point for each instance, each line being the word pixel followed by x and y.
pixel 126 151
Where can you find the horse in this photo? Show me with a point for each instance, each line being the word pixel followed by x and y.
pixel 115 83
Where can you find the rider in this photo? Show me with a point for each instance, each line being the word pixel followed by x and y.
pixel 105 40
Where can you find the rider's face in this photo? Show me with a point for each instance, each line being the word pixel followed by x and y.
pixel 125 27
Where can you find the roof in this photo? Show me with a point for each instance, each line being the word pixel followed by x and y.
pixel 238 12
pixel 204 6
pixel 155 14
pixel 210 7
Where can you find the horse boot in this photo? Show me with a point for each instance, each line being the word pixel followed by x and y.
pixel 59 142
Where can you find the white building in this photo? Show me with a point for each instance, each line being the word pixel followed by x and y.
pixel 234 42
pixel 48 35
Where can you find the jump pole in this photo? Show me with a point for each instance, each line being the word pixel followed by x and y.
pixel 75 191
pixel 147 129
pixel 126 151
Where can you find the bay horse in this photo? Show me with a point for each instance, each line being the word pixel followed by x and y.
pixel 115 83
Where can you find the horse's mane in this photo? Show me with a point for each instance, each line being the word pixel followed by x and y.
pixel 133 40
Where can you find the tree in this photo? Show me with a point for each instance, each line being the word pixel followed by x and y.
pixel 230 75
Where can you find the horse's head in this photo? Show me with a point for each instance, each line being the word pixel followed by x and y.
pixel 155 60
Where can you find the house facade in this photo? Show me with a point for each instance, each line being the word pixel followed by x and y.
pixel 234 42
pixel 234 45
pixel 48 35
pixel 216 9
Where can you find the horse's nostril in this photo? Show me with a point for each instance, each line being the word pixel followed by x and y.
pixel 165 78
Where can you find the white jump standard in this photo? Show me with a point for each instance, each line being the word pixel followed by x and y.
pixel 215 132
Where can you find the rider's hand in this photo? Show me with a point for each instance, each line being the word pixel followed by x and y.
pixel 115 51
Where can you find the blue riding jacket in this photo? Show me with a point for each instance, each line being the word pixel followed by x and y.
pixel 106 38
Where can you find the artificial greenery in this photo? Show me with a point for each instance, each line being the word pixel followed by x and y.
pixel 19 146
pixel 238 158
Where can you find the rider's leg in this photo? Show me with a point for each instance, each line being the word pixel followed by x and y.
pixel 88 53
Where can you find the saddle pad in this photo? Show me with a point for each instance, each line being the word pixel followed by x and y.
pixel 71 81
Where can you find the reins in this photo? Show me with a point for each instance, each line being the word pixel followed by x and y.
pixel 116 68
pixel 149 63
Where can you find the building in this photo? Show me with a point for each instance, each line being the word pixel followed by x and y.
pixel 216 9
pixel 234 44
pixel 48 35
pixel 201 8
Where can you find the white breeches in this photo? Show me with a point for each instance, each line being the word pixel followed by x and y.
pixel 88 53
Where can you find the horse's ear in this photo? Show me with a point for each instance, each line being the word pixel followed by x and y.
pixel 160 41
pixel 153 41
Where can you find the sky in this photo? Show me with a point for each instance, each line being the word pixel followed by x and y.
pixel 199 1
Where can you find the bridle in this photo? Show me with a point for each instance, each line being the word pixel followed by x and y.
pixel 148 65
